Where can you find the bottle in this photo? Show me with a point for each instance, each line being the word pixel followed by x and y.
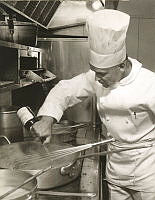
pixel 27 117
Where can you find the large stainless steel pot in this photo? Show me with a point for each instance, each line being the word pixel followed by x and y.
pixel 10 179
pixel 63 170
pixel 65 132
pixel 19 32
pixel 10 125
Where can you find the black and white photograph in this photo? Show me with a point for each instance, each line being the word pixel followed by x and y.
pixel 77 100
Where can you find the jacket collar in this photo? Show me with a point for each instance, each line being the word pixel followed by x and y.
pixel 136 67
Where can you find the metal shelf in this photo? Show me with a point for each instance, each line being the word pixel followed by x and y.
pixel 18 46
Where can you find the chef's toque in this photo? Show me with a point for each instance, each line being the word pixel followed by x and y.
pixel 106 34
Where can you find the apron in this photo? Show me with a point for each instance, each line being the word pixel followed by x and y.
pixel 134 169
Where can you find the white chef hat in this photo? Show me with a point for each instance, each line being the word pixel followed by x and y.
pixel 107 33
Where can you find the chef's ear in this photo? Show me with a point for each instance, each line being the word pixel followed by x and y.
pixel 122 67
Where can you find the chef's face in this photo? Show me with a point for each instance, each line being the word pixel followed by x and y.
pixel 108 77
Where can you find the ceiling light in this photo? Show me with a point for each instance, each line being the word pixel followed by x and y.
pixel 95 5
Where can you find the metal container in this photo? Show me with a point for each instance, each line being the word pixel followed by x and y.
pixel 10 125
pixel 58 176
pixel 31 157
pixel 10 179
pixel 64 132
pixel 20 32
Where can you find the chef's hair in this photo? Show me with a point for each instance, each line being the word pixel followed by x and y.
pixel 122 65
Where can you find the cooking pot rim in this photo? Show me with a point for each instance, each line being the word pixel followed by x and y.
pixel 7 173
pixel 67 162
pixel 8 109
pixel 32 146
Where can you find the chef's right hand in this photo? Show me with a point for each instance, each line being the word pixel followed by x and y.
pixel 43 128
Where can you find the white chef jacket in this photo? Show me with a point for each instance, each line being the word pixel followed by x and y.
pixel 128 112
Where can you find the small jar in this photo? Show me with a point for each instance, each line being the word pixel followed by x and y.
pixel 27 117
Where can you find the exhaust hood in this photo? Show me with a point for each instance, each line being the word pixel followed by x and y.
pixel 39 12
pixel 56 13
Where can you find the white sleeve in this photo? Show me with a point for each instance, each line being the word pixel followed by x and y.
pixel 68 93
pixel 150 97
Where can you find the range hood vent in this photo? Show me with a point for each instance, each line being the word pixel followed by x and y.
pixel 39 12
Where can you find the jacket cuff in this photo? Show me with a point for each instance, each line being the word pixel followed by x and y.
pixel 55 113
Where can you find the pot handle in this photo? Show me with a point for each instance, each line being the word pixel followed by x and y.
pixel 70 169
pixel 32 195
pixel 5 138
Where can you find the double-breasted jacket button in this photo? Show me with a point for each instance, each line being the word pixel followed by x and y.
pixel 107 119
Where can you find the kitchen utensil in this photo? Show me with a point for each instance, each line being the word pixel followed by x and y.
pixel 115 151
pixel 14 189
pixel 66 124
pixel 31 157
pixel 28 118
pixel 10 179
pixel 38 75
pixel 66 131
pixel 64 170
pixel 10 125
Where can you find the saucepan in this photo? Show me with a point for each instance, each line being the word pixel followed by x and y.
pixel 65 131
pixel 18 185
pixel 10 179
pixel 33 157
pixel 10 125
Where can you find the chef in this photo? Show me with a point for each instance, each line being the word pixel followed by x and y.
pixel 125 92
